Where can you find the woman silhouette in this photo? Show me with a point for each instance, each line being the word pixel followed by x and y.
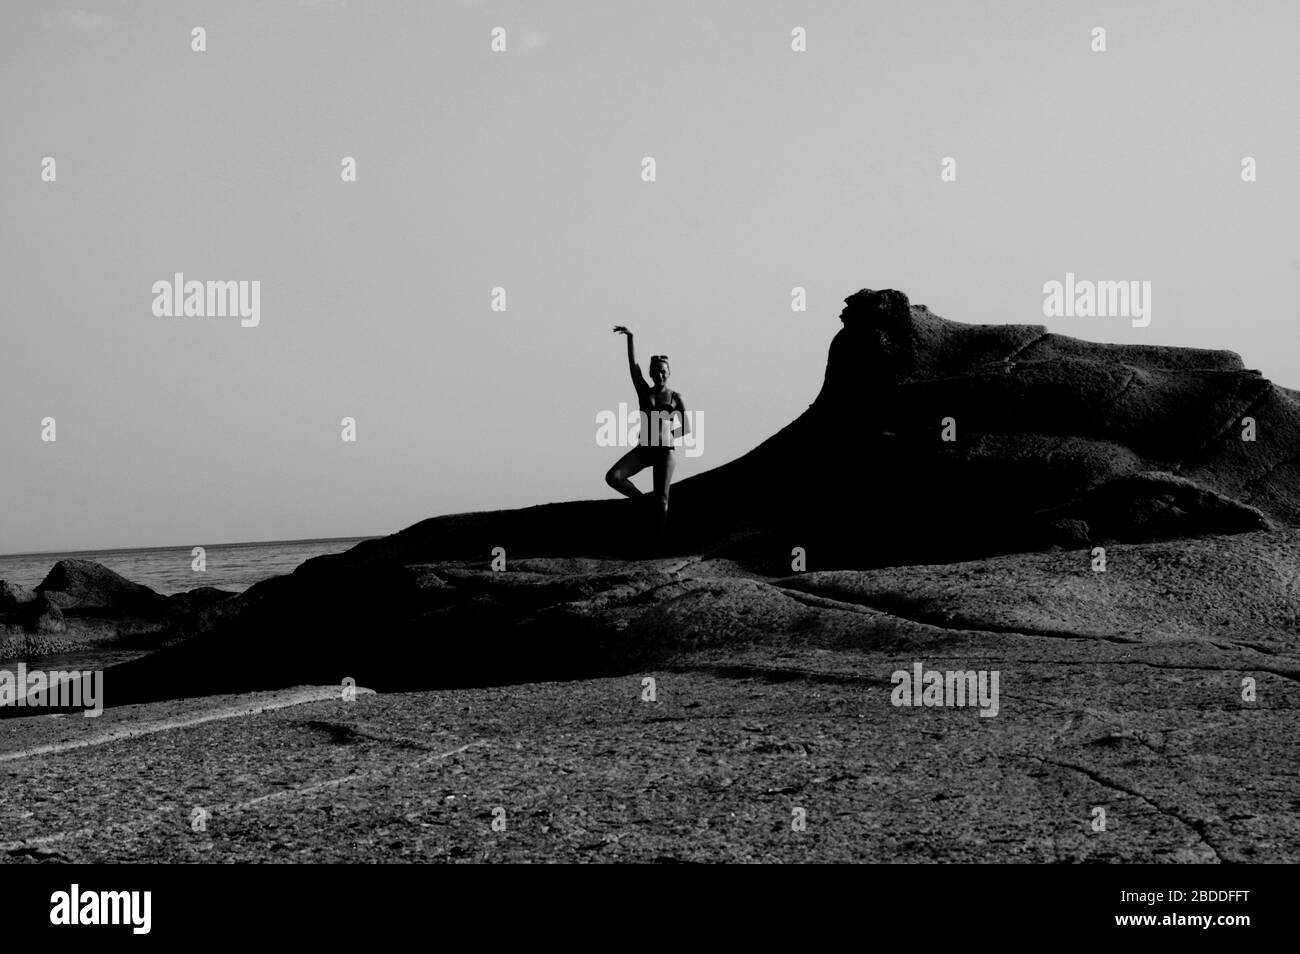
pixel 658 405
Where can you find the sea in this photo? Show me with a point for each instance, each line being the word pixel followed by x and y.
pixel 228 566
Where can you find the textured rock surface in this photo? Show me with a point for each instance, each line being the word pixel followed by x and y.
pixel 1155 732
pixel 14 595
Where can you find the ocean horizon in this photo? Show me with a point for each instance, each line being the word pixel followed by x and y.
pixel 168 570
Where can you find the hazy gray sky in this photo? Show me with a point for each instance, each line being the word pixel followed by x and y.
pixel 522 169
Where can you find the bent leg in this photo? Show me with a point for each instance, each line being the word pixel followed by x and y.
pixel 633 462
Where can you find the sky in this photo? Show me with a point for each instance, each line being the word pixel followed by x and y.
pixel 774 169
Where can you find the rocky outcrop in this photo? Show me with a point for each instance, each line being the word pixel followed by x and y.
pixel 1054 442
pixel 1215 602
pixel 35 627
pixel 89 587
pixel 936 441
pixel 84 606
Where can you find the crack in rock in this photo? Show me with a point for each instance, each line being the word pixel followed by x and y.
pixel 1234 421
pixel 1197 825
pixel 952 625
pixel 1025 347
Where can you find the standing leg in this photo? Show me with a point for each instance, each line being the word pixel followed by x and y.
pixel 664 468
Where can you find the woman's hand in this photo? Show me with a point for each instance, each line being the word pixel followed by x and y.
pixel 622 330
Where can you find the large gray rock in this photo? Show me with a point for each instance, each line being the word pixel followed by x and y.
pixel 87 586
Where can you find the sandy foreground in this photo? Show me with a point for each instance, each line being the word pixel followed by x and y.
pixel 736 753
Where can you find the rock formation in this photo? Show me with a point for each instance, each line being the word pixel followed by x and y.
pixel 83 605
pixel 93 588
pixel 1055 442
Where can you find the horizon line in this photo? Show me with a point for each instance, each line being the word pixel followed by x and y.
pixel 237 543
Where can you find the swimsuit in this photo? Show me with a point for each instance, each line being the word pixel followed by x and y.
pixel 667 414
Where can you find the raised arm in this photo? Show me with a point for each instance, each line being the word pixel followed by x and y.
pixel 638 379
